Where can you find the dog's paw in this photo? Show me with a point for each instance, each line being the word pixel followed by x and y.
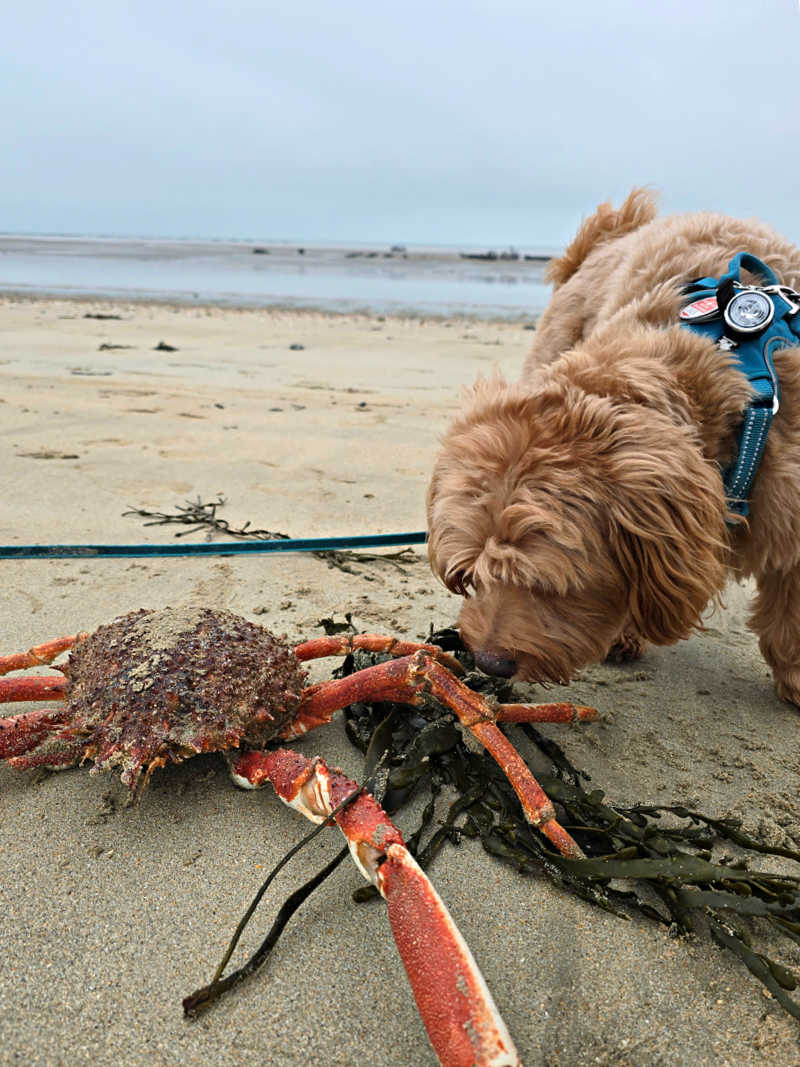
pixel 787 684
pixel 626 648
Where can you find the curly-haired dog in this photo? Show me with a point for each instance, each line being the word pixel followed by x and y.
pixel 582 511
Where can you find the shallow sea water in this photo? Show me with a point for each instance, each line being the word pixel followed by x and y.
pixel 235 274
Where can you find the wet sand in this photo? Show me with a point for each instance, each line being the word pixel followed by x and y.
pixel 111 914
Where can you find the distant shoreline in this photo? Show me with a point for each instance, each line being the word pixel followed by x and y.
pixel 137 301
pixel 505 284
pixel 350 249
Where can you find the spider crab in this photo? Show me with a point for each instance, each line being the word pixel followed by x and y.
pixel 158 686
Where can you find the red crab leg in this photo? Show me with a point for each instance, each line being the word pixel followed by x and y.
pixel 39 655
pixel 60 753
pixel 21 733
pixel 414 679
pixel 564 713
pixel 45 687
pixel 463 1023
pixel 341 644
pixel 38 730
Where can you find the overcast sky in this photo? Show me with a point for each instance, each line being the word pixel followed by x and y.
pixel 502 122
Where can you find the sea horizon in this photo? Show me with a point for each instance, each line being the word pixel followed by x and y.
pixel 484 282
pixel 543 250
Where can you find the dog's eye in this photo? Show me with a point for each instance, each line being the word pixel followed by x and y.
pixel 459 582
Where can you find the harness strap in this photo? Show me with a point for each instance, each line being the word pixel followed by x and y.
pixel 752 323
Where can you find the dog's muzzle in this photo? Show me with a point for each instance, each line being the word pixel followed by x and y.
pixel 495 663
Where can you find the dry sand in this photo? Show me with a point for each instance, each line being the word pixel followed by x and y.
pixel 111 914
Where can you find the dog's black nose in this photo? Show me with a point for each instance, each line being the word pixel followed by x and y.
pixel 496 663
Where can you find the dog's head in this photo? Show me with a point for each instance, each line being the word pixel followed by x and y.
pixel 565 518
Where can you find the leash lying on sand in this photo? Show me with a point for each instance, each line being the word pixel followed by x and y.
pixel 197 515
pixel 220 548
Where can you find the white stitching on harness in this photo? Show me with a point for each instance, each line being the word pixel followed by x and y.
pixel 759 423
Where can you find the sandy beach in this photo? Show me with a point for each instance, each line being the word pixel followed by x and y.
pixel 314 424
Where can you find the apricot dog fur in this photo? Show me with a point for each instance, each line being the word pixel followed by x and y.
pixel 581 512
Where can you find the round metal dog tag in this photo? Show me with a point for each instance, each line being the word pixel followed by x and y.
pixel 749 311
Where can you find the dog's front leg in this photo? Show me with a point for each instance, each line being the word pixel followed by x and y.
pixel 776 620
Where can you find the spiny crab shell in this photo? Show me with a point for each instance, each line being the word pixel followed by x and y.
pixel 158 686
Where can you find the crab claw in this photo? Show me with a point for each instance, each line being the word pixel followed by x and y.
pixel 462 1020
pixel 463 1023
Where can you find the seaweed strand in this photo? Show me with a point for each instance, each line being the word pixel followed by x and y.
pixel 200 515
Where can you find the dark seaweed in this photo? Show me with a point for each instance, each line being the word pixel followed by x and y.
pixel 203 998
pixel 203 516
pixel 670 873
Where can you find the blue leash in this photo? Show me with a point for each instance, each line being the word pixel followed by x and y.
pixel 220 548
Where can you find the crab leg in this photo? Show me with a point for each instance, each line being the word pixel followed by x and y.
pixel 36 731
pixel 21 733
pixel 341 644
pixel 44 687
pixel 463 1023
pixel 563 713
pixel 39 655
pixel 413 680
pixel 322 701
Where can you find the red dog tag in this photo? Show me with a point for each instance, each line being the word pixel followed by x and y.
pixel 700 310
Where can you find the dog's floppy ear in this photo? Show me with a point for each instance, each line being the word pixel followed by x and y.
pixel 668 530
pixel 472 449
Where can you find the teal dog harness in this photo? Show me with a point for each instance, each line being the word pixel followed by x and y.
pixel 752 323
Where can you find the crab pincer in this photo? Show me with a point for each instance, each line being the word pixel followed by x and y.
pixel 462 1020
